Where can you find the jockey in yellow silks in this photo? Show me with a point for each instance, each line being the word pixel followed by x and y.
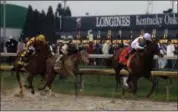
pixel 34 41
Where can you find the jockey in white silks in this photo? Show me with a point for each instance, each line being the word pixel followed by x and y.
pixel 63 52
pixel 139 43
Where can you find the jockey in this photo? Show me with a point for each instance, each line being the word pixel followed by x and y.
pixel 63 52
pixel 140 43
pixel 34 41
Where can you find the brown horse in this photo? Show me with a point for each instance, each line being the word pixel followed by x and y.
pixel 140 66
pixel 36 65
pixel 70 68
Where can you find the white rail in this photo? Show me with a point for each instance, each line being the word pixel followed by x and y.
pixel 94 56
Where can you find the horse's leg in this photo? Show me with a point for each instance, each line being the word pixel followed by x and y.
pixel 19 81
pixel 134 82
pixel 76 85
pixel 49 83
pixel 75 76
pixel 50 76
pixel 46 78
pixel 129 82
pixel 118 78
pixel 30 82
pixel 42 77
pixel 151 78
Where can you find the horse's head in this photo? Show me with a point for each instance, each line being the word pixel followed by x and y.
pixel 152 48
pixel 84 56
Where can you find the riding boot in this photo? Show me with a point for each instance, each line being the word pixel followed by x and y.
pixel 131 52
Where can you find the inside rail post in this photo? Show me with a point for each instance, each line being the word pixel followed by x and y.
pixel 81 82
pixel 167 90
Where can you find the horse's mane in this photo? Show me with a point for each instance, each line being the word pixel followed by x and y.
pixel 151 48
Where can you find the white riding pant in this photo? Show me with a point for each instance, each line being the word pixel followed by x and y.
pixel 64 49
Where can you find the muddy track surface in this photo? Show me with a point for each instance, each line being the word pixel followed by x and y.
pixel 9 101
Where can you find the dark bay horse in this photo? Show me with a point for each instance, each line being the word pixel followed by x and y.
pixel 36 65
pixel 70 68
pixel 140 66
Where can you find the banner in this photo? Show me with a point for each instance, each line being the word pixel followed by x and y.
pixel 129 22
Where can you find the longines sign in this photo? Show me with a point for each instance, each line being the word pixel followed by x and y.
pixel 126 21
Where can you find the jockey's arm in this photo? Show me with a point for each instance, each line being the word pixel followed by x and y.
pixel 137 46
pixel 29 43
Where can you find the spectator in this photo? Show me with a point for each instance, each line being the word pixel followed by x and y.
pixel 105 48
pixel 26 40
pixel 115 47
pixel 90 51
pixel 170 53
pixel 170 49
pixel 97 49
pixel 20 46
pixel 162 62
pixel 11 47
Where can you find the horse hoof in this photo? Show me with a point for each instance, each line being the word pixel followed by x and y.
pixel 33 92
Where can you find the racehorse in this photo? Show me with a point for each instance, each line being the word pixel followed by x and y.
pixel 138 65
pixel 36 65
pixel 70 68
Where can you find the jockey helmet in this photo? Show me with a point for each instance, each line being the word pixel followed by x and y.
pixel 41 37
pixel 147 36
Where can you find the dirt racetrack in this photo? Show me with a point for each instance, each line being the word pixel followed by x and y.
pixel 69 102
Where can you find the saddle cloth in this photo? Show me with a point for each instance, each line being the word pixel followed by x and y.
pixel 122 59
